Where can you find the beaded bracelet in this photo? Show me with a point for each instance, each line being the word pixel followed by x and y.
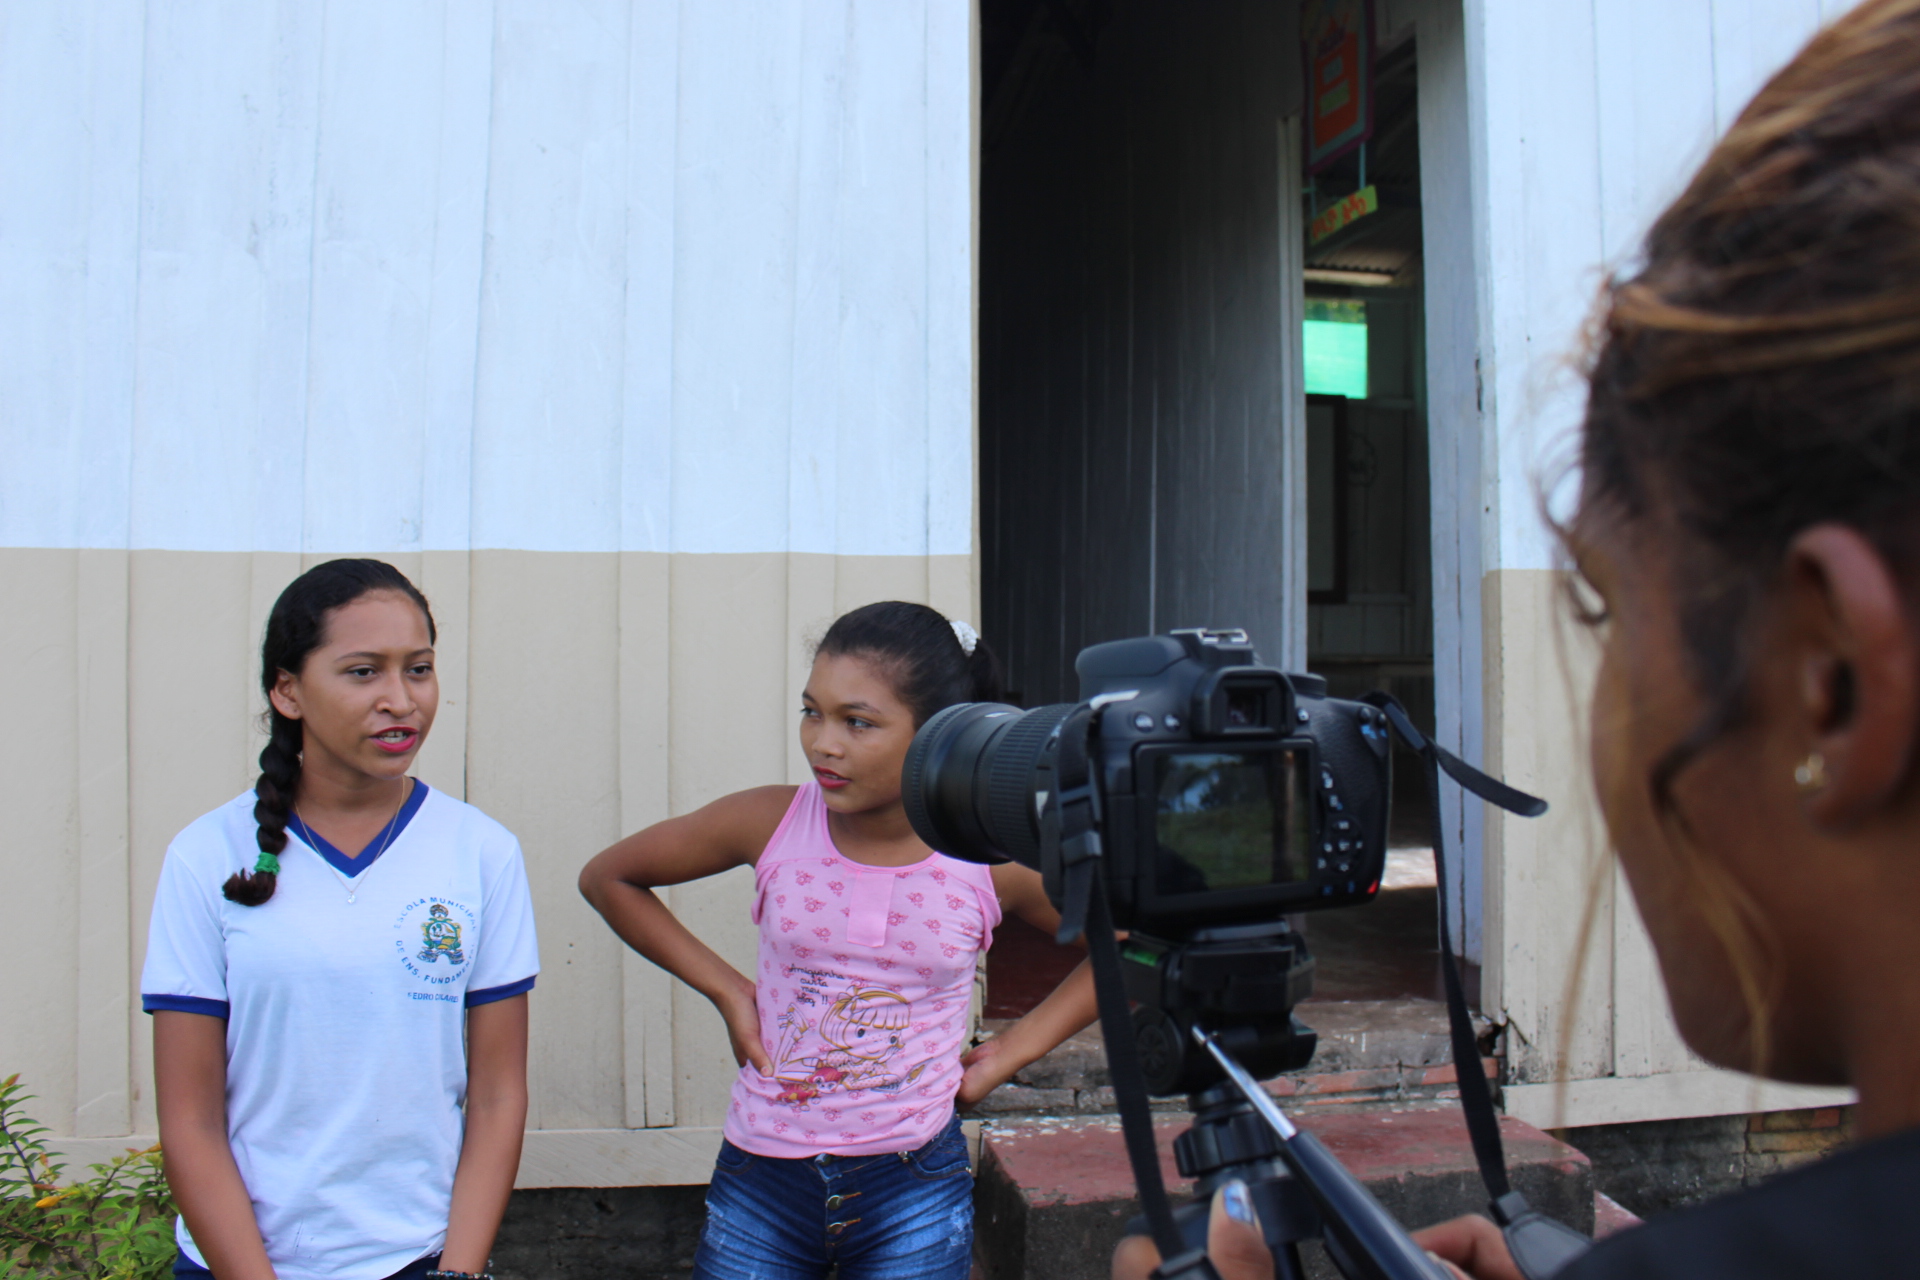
pixel 458 1275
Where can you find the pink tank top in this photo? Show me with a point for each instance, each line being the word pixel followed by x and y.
pixel 865 978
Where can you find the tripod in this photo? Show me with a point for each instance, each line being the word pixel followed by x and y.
pixel 1227 1141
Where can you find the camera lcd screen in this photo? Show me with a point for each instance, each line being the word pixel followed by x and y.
pixel 1230 819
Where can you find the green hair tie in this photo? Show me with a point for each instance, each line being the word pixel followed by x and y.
pixel 266 864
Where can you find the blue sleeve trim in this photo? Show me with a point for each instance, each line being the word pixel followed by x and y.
pixel 186 1004
pixel 487 995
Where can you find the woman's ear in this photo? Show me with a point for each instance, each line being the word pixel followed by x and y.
pixel 1853 652
pixel 285 695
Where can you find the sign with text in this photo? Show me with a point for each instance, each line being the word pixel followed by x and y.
pixel 1342 213
pixel 1337 39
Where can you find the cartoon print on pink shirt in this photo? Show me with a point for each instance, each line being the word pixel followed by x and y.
pixel 855 1046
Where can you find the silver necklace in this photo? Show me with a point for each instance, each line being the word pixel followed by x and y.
pixel 352 886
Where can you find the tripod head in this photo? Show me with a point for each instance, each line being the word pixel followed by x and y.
pixel 1238 982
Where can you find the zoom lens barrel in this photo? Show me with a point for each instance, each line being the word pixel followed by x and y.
pixel 968 782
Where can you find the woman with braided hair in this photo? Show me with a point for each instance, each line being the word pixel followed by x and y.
pixel 340 1037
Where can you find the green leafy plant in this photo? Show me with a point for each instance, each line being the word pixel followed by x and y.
pixel 115 1225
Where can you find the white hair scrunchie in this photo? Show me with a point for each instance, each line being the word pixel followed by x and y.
pixel 966 635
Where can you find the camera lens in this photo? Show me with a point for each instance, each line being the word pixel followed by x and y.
pixel 968 782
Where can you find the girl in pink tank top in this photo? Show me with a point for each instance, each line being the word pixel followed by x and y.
pixel 842 1146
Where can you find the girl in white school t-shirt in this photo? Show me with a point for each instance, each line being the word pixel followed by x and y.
pixel 340 1037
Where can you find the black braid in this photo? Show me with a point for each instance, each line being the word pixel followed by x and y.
pixel 296 627
pixel 272 806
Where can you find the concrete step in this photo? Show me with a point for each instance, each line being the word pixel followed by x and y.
pixel 1054 1193
pixel 1369 1050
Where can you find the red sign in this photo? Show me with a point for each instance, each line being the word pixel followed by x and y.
pixel 1337 36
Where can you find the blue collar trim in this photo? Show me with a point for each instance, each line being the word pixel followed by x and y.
pixel 382 840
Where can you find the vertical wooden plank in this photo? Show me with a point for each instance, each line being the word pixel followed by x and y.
pixel 1290 651
pixel 822 407
pixel 734 250
pixel 107 967
pixel 730 726
pixel 446 580
pixel 376 185
pixel 546 764
pixel 453 307
pixel 106 1017
pixel 1552 874
pixel 190 746
pixel 646 535
pixel 652 187
pixel 49 881
pixel 547 453
pixel 1452 257
pixel 951 206
pixel 228 145
pixel 70 89
pixel 880 232
pixel 1655 112
pixel 646 712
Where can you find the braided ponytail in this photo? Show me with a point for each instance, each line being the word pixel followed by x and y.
pixel 296 627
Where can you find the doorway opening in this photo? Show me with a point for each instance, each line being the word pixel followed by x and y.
pixel 1168 436
pixel 1369 556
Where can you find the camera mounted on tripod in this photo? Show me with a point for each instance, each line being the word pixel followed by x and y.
pixel 1196 799
pixel 1220 795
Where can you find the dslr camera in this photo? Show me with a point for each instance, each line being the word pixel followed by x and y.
pixel 1198 799
pixel 1224 795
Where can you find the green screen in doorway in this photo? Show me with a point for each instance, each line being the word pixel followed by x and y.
pixel 1336 343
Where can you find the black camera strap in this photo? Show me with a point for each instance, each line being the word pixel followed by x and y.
pixel 1476 1097
pixel 1073 822
pixel 1540 1245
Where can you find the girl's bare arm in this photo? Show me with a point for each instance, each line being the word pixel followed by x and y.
pixel 190 1089
pixel 1070 1007
pixel 496 1120
pixel 620 881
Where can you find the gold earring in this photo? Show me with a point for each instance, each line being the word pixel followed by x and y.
pixel 1811 774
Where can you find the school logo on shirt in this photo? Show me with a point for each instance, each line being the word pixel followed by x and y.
pixel 432 939
pixel 442 937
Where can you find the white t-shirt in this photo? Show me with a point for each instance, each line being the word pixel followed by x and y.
pixel 346 1060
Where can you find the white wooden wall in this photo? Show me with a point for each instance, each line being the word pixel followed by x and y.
pixel 640 332
pixel 1552 135
pixel 403 275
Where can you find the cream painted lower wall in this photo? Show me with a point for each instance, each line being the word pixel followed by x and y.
pixel 1590 1035
pixel 583 695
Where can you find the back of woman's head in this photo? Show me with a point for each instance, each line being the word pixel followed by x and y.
pixel 932 663
pixel 1760 371
pixel 296 627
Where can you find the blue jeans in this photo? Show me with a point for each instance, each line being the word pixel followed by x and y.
pixel 901 1216
pixel 185 1268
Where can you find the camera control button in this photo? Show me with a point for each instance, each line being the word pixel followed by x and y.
pixel 1143 722
pixel 1171 721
